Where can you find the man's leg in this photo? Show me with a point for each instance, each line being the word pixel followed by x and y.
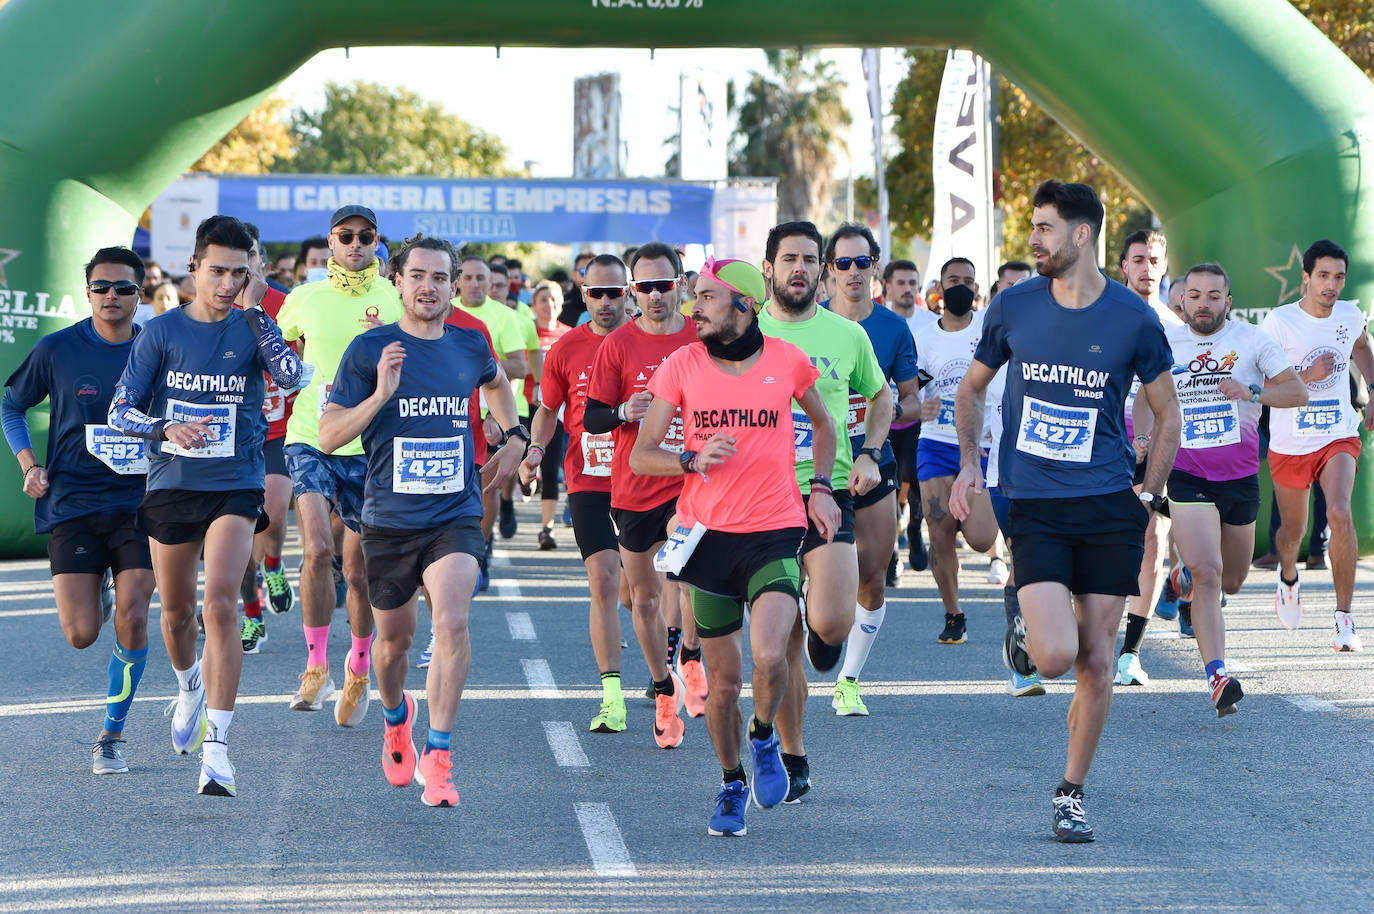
pixel 268 545
pixel 772 619
pixel 1099 616
pixel 1197 532
pixel 313 515
pixel 646 587
pixel 1292 504
pixel 603 623
pixel 228 544
pixel 1337 481
pixel 449 581
pixel 875 537
pixel 944 559
pixel 724 670
pixel 78 607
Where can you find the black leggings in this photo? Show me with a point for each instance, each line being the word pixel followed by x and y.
pixel 552 465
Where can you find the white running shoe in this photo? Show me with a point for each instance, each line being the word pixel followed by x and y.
pixel 997 572
pixel 1288 604
pixel 1129 671
pixel 1347 639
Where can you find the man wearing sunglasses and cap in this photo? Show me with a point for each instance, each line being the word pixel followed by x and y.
pixel 327 316
pixel 88 492
pixel 643 506
pixel 741 518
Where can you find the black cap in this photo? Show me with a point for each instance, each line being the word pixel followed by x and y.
pixel 349 211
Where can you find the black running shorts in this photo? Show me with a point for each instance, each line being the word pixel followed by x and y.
pixel 396 559
pixel 90 544
pixel 845 534
pixel 642 531
pixel 1092 544
pixel 1236 500
pixel 728 569
pixel 591 522
pixel 175 516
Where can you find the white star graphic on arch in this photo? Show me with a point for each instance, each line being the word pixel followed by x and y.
pixel 6 255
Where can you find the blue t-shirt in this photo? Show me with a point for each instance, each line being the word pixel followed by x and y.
pixel 1068 373
pixel 92 468
pixel 420 472
pixel 896 352
pixel 182 370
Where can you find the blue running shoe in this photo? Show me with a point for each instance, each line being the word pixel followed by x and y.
pixel 1185 620
pixel 728 819
pixel 770 775
pixel 1167 607
pixel 426 655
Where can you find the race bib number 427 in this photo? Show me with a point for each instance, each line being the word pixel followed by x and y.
pixel 219 433
pixel 1056 432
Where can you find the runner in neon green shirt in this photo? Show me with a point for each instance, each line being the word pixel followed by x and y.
pixel 841 351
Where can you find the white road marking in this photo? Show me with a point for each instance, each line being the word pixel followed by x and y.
pixel 506 588
pixel 1311 703
pixel 567 751
pixel 540 679
pixel 521 627
pixel 610 856
pixel 500 558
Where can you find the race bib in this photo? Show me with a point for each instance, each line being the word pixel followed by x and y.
pixel 675 440
pixel 219 435
pixel 598 454
pixel 801 426
pixel 945 417
pixel 273 402
pixel 678 548
pixel 1056 432
pixel 858 412
pixel 325 388
pixel 1317 418
pixel 125 455
pixel 427 466
pixel 1210 425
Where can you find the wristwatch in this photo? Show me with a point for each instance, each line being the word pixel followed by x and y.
pixel 823 482
pixel 517 431
pixel 1156 503
pixel 874 453
pixel 1255 392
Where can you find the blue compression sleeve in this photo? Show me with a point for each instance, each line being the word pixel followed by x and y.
pixel 15 424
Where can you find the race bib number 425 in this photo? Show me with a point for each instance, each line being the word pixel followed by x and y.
pixel 427 466
pixel 1056 432
pixel 125 455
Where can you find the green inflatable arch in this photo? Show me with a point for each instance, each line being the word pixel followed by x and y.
pixel 1239 123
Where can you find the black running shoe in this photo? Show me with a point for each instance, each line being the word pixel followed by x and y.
pixel 894 574
pixel 1226 692
pixel 1070 825
pixel 546 540
pixel 1014 654
pixel 506 521
pixel 954 629
pixel 823 656
pixel 798 778
pixel 483 578
pixel 917 559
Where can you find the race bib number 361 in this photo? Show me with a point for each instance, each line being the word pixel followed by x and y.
pixel 1210 425
pixel 427 466
pixel 1056 432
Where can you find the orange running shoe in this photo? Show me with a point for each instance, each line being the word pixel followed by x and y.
pixel 398 749
pixel 435 772
pixel 668 726
pixel 693 676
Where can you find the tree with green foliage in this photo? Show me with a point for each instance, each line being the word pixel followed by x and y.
pixel 368 128
pixel 261 142
pixel 790 120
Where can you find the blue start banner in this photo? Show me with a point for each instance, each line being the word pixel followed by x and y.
pixel 294 207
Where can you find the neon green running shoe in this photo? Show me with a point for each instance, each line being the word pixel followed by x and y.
pixel 252 633
pixel 280 596
pixel 847 702
pixel 611 717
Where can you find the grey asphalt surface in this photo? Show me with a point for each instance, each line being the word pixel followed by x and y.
pixel 938 801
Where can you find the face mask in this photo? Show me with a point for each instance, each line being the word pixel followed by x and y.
pixel 958 300
pixel 316 274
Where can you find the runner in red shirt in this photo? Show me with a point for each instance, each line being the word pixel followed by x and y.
pixel 741 516
pixel 643 506
pixel 546 301
pixel 587 469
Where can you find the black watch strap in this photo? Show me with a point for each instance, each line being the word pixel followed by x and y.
pixel 874 453
pixel 516 431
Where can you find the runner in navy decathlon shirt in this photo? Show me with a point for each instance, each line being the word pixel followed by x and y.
pixel 1072 341
pixel 420 472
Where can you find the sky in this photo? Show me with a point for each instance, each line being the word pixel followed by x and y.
pixel 525 95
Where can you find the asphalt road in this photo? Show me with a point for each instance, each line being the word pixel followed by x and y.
pixel 938 801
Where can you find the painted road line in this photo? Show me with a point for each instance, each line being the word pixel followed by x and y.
pixel 521 627
pixel 540 679
pixel 609 855
pixel 567 751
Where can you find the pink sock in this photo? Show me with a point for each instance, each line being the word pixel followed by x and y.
pixel 360 654
pixel 317 642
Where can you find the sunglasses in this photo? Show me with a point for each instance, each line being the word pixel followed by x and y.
pixel 844 263
pixel 600 292
pixel 123 287
pixel 645 286
pixel 365 237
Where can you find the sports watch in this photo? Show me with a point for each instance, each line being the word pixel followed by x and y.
pixel 874 453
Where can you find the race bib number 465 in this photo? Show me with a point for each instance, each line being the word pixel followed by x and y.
pixel 125 455
pixel 427 466
pixel 1317 419
pixel 1056 432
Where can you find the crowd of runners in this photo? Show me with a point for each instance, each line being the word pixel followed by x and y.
pixel 739 444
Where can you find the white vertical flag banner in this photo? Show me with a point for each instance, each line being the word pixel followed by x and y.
pixel 875 111
pixel 961 225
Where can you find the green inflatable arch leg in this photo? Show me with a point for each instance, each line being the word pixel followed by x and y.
pixel 1239 123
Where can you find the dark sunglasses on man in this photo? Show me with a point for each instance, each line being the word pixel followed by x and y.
pixel 662 286
pixel 365 237
pixel 599 292
pixel 123 287
pixel 842 264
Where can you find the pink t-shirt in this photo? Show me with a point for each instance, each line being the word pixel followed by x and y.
pixel 756 489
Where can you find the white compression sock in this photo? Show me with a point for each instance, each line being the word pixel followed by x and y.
pixel 861 638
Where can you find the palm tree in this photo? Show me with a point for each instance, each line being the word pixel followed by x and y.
pixel 789 125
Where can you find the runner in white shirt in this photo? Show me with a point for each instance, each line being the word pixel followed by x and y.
pixel 943 352
pixel 1144 264
pixel 1321 335
pixel 1224 372
pixel 902 293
